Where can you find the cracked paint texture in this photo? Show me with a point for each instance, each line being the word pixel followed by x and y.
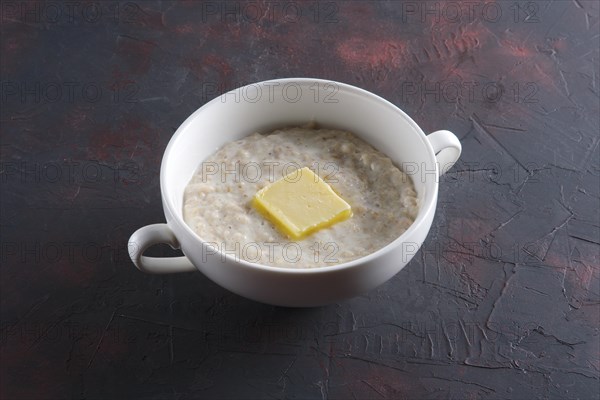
pixel 501 302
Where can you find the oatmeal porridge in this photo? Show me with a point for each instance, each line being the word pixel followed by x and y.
pixel 218 199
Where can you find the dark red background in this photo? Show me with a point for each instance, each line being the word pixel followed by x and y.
pixel 501 302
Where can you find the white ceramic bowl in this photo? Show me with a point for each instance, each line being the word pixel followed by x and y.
pixel 263 107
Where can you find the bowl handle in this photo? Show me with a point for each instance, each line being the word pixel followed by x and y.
pixel 148 236
pixel 447 149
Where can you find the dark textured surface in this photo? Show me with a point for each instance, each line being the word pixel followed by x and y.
pixel 501 302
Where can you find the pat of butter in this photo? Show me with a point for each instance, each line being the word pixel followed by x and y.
pixel 301 203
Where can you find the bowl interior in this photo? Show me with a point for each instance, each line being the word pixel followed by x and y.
pixel 268 105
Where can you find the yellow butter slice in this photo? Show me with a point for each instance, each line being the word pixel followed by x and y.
pixel 301 203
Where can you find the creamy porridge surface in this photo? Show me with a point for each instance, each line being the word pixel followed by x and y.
pixel 217 200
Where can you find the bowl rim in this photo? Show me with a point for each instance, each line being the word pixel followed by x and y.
pixel 425 209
